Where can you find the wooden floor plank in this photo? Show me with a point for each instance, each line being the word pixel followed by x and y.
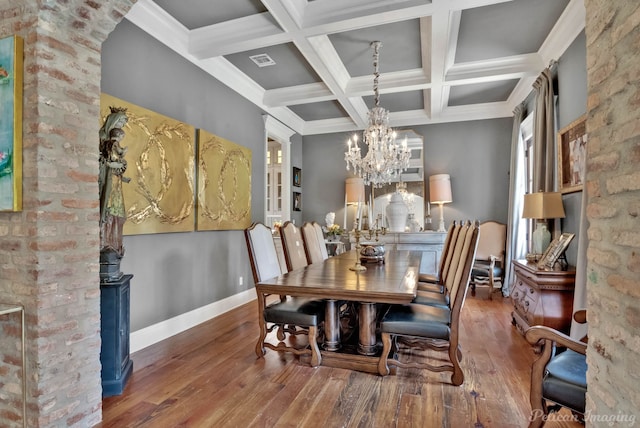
pixel 210 376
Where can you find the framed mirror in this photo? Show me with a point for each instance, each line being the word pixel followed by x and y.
pixel 412 180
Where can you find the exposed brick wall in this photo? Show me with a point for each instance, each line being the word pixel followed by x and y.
pixel 49 251
pixel 613 188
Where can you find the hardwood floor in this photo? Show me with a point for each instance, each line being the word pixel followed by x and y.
pixel 209 376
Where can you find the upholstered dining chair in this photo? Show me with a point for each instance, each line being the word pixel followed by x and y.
pixel 287 313
pixel 320 235
pixel 293 246
pixel 454 252
pixel 488 267
pixel 435 283
pixel 558 377
pixel 434 327
pixel 312 247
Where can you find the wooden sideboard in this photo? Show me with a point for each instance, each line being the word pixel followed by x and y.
pixel 430 243
pixel 542 297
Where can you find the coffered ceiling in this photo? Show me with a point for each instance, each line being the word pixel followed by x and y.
pixel 440 60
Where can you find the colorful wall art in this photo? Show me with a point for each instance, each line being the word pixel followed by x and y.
pixel 160 195
pixel 224 184
pixel 11 60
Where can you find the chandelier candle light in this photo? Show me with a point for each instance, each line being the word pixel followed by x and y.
pixel 385 158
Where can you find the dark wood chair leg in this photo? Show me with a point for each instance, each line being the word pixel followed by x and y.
pixel 455 355
pixel 316 357
pixel 383 368
pixel 260 351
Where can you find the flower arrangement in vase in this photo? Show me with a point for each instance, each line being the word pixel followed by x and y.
pixel 333 232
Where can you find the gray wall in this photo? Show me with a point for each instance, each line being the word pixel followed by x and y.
pixel 296 160
pixel 572 103
pixel 475 154
pixel 178 272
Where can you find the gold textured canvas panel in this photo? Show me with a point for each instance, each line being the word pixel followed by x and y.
pixel 160 157
pixel 224 184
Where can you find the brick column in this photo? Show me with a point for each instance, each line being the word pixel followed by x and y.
pixel 49 251
pixel 613 189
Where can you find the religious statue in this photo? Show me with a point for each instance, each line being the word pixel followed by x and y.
pixel 112 209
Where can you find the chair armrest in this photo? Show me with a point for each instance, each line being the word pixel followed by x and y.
pixel 496 260
pixel 539 333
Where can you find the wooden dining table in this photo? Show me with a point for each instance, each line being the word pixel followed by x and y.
pixel 392 282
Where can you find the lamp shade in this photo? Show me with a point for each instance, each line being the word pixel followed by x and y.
pixel 543 205
pixel 354 190
pixel 440 189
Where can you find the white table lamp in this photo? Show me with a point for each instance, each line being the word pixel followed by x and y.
pixel 440 193
pixel 353 194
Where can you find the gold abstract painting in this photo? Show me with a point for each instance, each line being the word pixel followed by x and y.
pixel 224 184
pixel 160 196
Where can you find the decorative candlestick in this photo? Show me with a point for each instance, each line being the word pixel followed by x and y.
pixel 358 266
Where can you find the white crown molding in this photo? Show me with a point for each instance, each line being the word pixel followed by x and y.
pixel 155 21
pixel 521 91
pixel 277 129
pixel 476 112
pixel 564 32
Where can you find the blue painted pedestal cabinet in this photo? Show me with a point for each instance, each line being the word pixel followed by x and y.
pixel 114 324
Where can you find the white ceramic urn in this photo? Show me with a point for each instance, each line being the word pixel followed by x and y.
pixel 397 212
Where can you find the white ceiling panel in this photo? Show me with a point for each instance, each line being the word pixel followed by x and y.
pixel 441 60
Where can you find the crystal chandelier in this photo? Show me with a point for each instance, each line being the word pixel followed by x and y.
pixel 385 158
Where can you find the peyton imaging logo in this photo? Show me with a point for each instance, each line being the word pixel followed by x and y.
pixel 609 419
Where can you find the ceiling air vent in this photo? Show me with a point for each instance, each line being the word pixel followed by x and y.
pixel 262 60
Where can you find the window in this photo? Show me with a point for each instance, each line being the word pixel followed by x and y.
pixel 274 183
pixel 526 130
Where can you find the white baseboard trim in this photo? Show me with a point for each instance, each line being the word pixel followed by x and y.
pixel 147 336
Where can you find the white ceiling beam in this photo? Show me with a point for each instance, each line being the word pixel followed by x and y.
pixel 470 4
pixel 288 14
pixel 494 69
pixel 300 94
pixel 425 53
pixel 237 35
pixel 476 112
pixel 441 39
pixel 400 81
pixel 257 31
pixel 329 126
pixel 417 117
pixel 397 81
pixel 332 16
pixel 321 56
